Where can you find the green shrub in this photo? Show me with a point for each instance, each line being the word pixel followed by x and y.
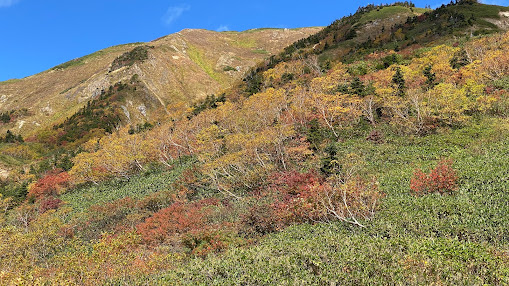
pixel 138 54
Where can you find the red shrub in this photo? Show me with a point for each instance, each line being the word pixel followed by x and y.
pixel 293 183
pixel 442 179
pixel 50 185
pixel 298 198
pixel 294 196
pixel 49 204
pixel 179 218
pixel 419 182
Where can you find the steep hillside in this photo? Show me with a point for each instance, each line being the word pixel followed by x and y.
pixel 373 152
pixel 397 26
pixel 180 67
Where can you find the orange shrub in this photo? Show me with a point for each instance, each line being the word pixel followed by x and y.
pixel 298 198
pixel 51 184
pixel 179 218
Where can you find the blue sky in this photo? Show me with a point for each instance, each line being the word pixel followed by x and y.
pixel 36 35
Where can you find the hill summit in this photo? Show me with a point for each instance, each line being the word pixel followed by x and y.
pixel 181 67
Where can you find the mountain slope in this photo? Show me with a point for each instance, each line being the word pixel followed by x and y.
pixel 180 67
pixel 376 28
pixel 347 159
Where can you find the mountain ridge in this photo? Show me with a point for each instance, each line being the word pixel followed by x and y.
pixel 181 67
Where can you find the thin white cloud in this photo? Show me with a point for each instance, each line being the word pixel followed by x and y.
pixel 223 28
pixel 173 13
pixel 7 3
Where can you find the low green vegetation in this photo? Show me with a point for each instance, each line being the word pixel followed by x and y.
pixel 328 255
pixel 198 58
pixel 384 13
pixel 137 187
pixel 480 11
pixel 453 239
pixel 245 43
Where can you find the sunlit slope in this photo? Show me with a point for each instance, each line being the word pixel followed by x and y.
pixel 180 67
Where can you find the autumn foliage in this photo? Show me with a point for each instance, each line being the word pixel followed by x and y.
pixel 50 203
pixel 276 158
pixel 52 184
pixel 441 179
pixel 177 219
pixel 306 197
pixel 297 197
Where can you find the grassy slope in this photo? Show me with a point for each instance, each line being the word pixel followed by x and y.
pixel 477 13
pixel 197 57
pixel 136 188
pixel 387 12
pixel 481 10
pixel 461 239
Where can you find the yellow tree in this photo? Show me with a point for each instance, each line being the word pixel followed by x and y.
pixel 334 108
pixel 491 55
pixel 447 103
pixel 123 155
pixel 245 141
pixel 87 169
pixel 495 64
pixel 439 58
pixel 119 155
